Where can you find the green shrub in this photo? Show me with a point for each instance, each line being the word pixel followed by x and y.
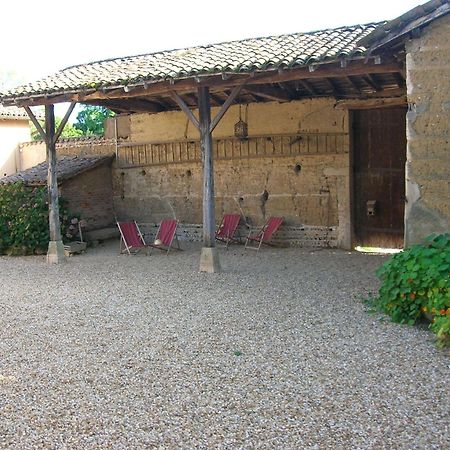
pixel 415 282
pixel 24 219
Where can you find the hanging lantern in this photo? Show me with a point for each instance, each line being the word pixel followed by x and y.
pixel 241 127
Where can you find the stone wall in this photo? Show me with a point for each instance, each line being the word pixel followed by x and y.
pixel 428 153
pixel 295 164
pixel 90 195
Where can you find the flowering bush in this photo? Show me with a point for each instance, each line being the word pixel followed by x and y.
pixel 415 282
pixel 24 219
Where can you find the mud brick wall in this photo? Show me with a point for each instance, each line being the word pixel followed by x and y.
pixel 428 119
pixel 90 195
pixel 294 164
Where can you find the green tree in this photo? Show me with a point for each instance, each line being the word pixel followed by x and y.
pixel 69 130
pixel 90 120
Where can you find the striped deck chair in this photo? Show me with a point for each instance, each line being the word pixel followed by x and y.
pixel 131 239
pixel 227 229
pixel 165 236
pixel 264 235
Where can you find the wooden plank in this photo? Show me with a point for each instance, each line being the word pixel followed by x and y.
pixel 209 224
pixel 330 70
pixel 270 93
pixel 63 122
pixel 52 179
pixel 371 103
pixel 185 109
pixel 224 108
pixel 35 122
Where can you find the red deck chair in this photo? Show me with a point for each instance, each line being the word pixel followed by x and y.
pixel 165 235
pixel 131 239
pixel 227 229
pixel 265 234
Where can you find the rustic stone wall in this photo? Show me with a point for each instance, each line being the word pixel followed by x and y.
pixel 428 152
pixel 295 164
pixel 90 195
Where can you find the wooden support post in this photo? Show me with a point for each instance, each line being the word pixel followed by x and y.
pixel 209 260
pixel 55 252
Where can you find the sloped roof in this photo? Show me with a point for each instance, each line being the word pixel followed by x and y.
pixel 245 56
pixel 66 167
pixel 402 26
pixel 15 113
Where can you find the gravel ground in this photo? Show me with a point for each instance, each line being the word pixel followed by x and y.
pixel 278 352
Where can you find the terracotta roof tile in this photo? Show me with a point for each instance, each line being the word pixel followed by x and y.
pixel 285 51
pixel 66 167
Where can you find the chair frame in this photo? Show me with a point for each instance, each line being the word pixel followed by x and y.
pixel 259 236
pixel 123 246
pixel 228 238
pixel 165 247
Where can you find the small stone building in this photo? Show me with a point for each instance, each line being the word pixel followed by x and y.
pixel 84 181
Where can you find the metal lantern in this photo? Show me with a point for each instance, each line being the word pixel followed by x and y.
pixel 241 127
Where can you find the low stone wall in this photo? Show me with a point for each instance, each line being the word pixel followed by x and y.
pixel 303 236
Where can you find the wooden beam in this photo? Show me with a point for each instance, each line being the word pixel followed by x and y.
pixel 333 87
pixel 35 122
pixel 176 98
pixel 371 103
pixel 309 87
pixel 224 108
pixel 63 122
pixel 209 225
pixel 270 93
pixel 55 252
pixel 354 85
pixel 401 83
pixel 292 92
pixel 372 83
pixel 355 68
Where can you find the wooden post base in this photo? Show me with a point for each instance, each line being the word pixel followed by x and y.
pixel 209 260
pixel 55 253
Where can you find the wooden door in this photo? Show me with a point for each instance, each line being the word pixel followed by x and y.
pixel 379 155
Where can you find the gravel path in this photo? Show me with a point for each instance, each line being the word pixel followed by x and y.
pixel 120 352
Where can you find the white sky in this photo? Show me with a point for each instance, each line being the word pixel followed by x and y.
pixel 41 37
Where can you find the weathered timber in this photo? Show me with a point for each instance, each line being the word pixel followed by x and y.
pixel 371 103
pixel 35 122
pixel 224 108
pixel 185 108
pixel 209 225
pixel 189 85
pixel 270 93
pixel 63 122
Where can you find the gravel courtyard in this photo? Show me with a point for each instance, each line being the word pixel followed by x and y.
pixel 277 352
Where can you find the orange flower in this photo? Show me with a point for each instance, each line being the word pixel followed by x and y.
pixel 442 312
pixel 412 296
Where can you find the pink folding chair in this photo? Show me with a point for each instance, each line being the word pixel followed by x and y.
pixel 227 229
pixel 165 236
pixel 265 234
pixel 131 239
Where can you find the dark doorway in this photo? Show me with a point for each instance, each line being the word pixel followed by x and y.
pixel 379 155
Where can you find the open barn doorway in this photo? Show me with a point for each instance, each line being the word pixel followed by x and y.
pixel 379 155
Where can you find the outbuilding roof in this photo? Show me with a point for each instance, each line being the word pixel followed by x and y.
pixel 246 56
pixel 67 167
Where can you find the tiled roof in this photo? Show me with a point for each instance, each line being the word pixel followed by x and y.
pixel 15 113
pixel 67 167
pixel 259 54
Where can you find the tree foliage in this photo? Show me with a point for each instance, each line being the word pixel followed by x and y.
pixel 69 131
pixel 90 120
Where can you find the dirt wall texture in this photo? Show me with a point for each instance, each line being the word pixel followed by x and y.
pixel 428 152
